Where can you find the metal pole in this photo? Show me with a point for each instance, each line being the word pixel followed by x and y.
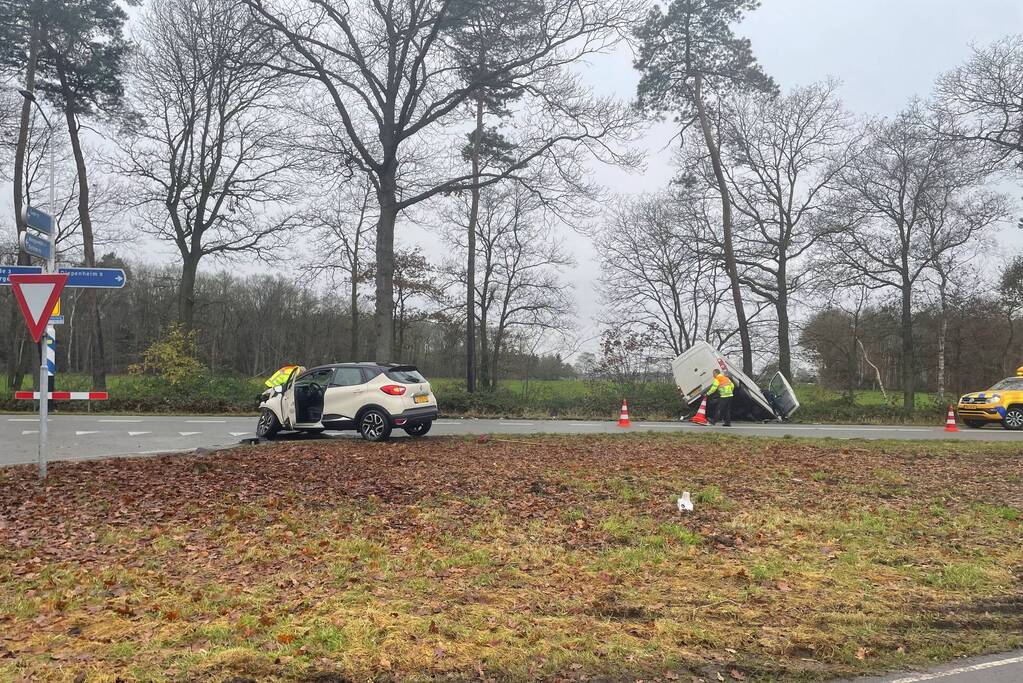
pixel 44 383
pixel 43 400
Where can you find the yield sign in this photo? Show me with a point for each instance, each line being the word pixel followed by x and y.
pixel 37 295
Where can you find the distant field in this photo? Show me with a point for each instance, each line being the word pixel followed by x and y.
pixel 572 399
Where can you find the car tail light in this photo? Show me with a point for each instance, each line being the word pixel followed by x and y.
pixel 393 389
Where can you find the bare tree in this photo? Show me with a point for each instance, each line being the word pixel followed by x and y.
pixel 653 278
pixel 957 229
pixel 782 156
pixel 518 286
pixel 982 100
pixel 899 190
pixel 207 154
pixel 343 231
pixel 395 87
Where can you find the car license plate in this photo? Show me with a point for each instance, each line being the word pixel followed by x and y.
pixel 422 398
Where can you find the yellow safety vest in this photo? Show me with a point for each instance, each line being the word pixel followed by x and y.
pixel 281 376
pixel 724 385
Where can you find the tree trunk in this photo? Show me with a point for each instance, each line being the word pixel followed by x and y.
pixel 387 198
pixel 98 360
pixel 782 308
pixel 470 272
pixel 908 350
pixel 726 225
pixel 17 365
pixel 486 381
pixel 353 347
pixel 942 334
pixel 186 291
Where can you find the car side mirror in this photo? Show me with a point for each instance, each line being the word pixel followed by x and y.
pixel 278 389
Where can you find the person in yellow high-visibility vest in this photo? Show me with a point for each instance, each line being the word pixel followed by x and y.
pixel 725 389
pixel 281 376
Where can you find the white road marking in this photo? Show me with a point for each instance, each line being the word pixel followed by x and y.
pixel 85 433
pixel 138 433
pixel 120 420
pixel 239 433
pixel 916 678
pixel 189 433
pixel 23 419
pixel 26 432
pixel 518 424
pixel 582 424
pixel 205 422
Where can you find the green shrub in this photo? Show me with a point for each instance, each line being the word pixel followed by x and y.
pixel 172 358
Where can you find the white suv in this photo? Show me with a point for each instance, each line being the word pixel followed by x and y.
pixel 372 398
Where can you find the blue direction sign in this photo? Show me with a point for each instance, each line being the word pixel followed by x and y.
pixel 94 278
pixel 35 245
pixel 7 271
pixel 38 220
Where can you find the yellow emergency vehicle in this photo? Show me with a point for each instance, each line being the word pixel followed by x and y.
pixel 1001 403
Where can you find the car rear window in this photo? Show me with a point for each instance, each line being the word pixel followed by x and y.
pixel 405 376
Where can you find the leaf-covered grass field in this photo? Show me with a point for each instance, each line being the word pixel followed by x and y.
pixel 522 559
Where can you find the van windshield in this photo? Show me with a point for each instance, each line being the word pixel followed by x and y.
pixel 1009 384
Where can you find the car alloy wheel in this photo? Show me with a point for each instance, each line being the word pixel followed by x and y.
pixel 268 424
pixel 374 426
pixel 1013 419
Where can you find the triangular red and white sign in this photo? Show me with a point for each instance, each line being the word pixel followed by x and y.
pixel 37 295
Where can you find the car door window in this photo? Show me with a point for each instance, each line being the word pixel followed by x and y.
pixel 317 377
pixel 347 377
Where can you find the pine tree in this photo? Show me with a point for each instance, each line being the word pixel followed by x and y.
pixel 688 56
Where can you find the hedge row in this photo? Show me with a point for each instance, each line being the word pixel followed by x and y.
pixel 568 400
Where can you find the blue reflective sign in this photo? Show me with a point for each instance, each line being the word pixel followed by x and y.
pixel 94 278
pixel 7 271
pixel 38 220
pixel 35 245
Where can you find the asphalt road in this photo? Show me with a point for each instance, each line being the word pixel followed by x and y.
pixel 1004 668
pixel 82 436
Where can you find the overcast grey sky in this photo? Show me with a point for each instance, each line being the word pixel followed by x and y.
pixel 883 51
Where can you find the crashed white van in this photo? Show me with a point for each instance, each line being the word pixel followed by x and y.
pixel 694 373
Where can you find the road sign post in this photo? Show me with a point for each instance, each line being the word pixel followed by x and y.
pixel 36 296
pixel 35 245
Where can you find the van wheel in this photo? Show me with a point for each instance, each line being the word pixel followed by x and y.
pixel 374 425
pixel 268 424
pixel 1013 419
pixel 418 429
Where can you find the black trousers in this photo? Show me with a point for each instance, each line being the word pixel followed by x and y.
pixel 723 410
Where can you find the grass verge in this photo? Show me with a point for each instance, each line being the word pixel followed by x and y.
pixel 534 558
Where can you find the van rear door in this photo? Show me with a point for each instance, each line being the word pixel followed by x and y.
pixel 693 371
pixel 785 398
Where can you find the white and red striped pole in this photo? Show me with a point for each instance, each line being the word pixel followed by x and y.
pixel 62 395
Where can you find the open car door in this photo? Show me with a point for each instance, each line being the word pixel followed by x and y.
pixel 288 418
pixel 784 398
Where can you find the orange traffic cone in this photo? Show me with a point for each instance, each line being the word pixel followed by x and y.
pixel 701 415
pixel 623 419
pixel 950 421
